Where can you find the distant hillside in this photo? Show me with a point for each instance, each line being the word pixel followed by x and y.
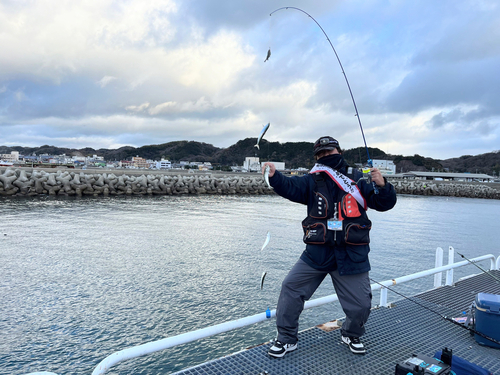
pixel 484 163
pixel 294 154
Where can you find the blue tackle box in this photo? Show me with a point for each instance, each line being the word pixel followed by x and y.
pixel 487 316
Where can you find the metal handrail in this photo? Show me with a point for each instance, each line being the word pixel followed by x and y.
pixel 184 338
pixel 432 271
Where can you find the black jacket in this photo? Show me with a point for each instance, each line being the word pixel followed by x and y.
pixel 349 259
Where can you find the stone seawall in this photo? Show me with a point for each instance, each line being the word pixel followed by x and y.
pixel 446 188
pixel 28 182
pixel 20 182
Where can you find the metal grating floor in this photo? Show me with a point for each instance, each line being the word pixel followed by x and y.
pixel 461 295
pixel 393 334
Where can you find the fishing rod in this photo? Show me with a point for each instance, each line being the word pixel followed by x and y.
pixel 370 162
pixel 441 315
pixel 481 268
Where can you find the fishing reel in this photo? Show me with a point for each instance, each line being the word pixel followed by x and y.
pixel 367 175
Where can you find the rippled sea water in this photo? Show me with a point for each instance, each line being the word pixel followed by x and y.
pixel 83 278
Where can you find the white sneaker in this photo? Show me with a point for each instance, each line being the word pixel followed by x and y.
pixel 355 344
pixel 279 349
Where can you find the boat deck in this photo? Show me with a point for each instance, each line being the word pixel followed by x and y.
pixel 393 335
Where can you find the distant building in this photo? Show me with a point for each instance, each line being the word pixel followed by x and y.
pixel 385 166
pixel 12 157
pixel 79 159
pixel 125 164
pixel 205 166
pixel 139 162
pixel 251 164
pixel 254 165
pixel 163 164
pixel 30 159
pixel 280 166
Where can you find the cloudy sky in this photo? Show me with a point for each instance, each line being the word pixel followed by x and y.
pixel 107 73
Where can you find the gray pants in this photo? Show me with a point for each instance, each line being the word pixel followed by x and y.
pixel 353 291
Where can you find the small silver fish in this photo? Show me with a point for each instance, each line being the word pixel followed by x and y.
pixel 268 238
pixel 262 279
pixel 268 55
pixel 266 176
pixel 262 132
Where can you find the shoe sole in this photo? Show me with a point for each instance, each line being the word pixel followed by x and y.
pixel 357 352
pixel 363 351
pixel 277 355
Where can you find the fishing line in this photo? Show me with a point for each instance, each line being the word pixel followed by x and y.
pixel 264 273
pixel 440 315
pixel 271 34
pixel 369 162
pixel 482 269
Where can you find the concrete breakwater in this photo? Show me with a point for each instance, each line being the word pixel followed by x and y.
pixel 64 183
pixel 22 182
pixel 446 188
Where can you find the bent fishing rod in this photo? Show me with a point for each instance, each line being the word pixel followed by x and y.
pixel 369 161
pixel 441 315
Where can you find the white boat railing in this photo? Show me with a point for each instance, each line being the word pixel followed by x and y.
pixel 184 338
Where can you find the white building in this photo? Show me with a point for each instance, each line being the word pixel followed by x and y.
pixel 13 156
pixel 280 166
pixel 254 165
pixel 251 164
pixel 385 166
pixel 163 164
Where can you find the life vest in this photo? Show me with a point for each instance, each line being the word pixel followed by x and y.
pixel 346 215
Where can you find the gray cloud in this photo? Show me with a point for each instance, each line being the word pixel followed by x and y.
pixel 244 14
pixel 476 120
pixel 424 75
pixel 456 62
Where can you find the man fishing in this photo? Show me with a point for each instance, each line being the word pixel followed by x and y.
pixel 336 234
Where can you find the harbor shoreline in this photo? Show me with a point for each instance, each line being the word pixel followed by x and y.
pixel 28 182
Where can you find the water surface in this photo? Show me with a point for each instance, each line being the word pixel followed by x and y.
pixel 83 278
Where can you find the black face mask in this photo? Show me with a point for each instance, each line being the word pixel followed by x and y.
pixel 334 161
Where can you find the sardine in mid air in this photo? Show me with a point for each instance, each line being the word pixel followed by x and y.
pixel 262 279
pixel 262 132
pixel 268 238
pixel 268 55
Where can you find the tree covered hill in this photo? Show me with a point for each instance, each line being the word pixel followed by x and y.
pixel 484 163
pixel 294 154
